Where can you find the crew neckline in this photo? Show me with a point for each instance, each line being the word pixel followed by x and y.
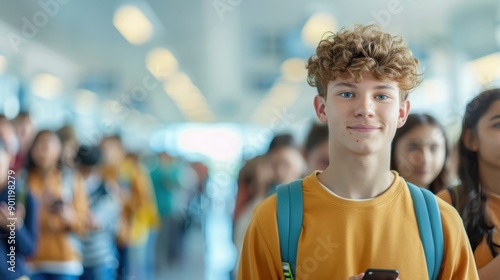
pixel 348 199
pixel 313 186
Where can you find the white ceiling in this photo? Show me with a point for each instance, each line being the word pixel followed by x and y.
pixel 232 57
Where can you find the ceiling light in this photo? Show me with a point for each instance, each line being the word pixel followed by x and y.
pixel 85 102
pixel 46 86
pixel 316 26
pixel 133 24
pixel 294 70
pixel 161 63
pixel 486 68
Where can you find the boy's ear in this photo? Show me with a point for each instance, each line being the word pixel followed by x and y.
pixel 470 140
pixel 320 108
pixel 404 110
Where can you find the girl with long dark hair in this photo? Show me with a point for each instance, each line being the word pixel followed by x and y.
pixel 63 211
pixel 478 197
pixel 419 152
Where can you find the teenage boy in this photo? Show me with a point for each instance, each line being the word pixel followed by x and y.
pixel 357 213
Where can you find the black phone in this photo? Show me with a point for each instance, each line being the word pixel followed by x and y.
pixel 381 274
pixel 57 206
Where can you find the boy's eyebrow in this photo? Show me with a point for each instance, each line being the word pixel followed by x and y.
pixel 354 86
pixel 386 87
pixel 344 84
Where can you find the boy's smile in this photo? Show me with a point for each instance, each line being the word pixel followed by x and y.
pixel 363 128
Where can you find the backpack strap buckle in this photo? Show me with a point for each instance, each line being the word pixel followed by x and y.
pixel 287 271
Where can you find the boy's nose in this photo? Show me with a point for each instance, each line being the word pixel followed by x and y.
pixel 364 107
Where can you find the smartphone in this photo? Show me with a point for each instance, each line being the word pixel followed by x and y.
pixel 57 206
pixel 381 274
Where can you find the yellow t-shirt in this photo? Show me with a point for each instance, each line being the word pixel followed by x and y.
pixel 482 253
pixel 341 238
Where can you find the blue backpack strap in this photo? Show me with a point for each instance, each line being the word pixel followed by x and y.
pixel 289 215
pixel 430 228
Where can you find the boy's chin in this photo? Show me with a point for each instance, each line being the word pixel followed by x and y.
pixel 365 149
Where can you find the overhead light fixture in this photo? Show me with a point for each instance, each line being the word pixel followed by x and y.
pixel 133 24
pixel 316 26
pixel 46 86
pixel 486 68
pixel 85 101
pixel 177 87
pixel 161 63
pixel 188 98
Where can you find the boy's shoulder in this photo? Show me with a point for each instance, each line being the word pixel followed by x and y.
pixel 449 216
pixel 266 210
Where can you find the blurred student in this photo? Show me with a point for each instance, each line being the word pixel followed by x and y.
pixel 286 159
pixel 25 131
pixel 139 211
pixel 419 152
pixel 69 146
pixel 198 200
pixel 145 221
pixel 9 138
pixel 113 156
pixel 168 179
pixel 316 148
pixel 99 249
pixel 477 198
pixel 26 224
pixel 357 214
pixel 254 180
pixel 63 211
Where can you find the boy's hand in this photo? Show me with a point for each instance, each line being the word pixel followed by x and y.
pixel 357 277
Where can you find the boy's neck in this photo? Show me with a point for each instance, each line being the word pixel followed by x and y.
pixel 358 176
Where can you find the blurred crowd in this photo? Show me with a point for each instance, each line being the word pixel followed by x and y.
pixel 90 211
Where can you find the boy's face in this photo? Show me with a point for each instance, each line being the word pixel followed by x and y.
pixel 362 117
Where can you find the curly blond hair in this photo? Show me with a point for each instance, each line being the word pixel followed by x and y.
pixel 365 49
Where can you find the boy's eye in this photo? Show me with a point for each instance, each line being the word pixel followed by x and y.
pixel 381 97
pixel 346 94
pixel 497 125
